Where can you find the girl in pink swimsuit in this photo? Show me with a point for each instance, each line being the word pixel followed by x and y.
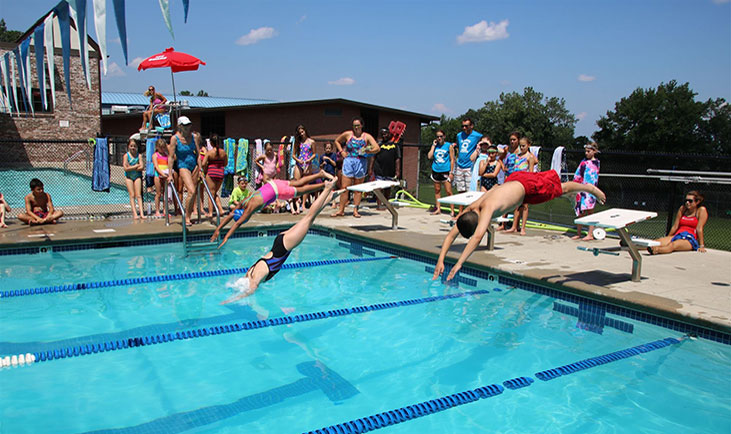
pixel 267 194
pixel 267 163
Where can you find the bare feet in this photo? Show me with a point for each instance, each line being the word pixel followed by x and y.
pixel 589 237
pixel 3 225
pixel 337 214
pixel 356 214
pixel 436 212
pixel 157 214
pixel 510 230
pixel 522 231
pixel 576 237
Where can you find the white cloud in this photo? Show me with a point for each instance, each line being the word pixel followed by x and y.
pixel 581 116
pixel 586 78
pixel 720 2
pixel 345 81
pixel 302 19
pixel 440 108
pixel 483 32
pixel 115 40
pixel 136 62
pixel 256 35
pixel 505 83
pixel 113 70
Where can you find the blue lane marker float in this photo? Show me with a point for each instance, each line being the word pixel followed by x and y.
pixel 142 341
pixel 171 277
pixel 403 414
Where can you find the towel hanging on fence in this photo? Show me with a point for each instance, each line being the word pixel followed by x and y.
pixel 242 157
pixel 475 180
pixel 557 161
pixel 535 150
pixel 100 170
pixel 229 146
pixel 150 149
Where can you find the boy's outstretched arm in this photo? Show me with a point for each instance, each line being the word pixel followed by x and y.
pixel 472 243
pixel 439 267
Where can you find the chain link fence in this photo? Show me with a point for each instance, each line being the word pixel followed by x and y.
pixel 624 178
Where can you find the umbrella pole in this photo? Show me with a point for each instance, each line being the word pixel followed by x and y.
pixel 175 101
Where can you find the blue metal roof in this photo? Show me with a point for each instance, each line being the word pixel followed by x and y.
pixel 137 99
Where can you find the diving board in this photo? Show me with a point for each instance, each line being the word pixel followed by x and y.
pixel 375 187
pixel 618 219
pixel 468 198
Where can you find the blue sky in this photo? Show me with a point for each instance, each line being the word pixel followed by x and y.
pixel 424 56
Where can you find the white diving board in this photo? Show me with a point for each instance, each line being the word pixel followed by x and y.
pixel 618 219
pixel 375 187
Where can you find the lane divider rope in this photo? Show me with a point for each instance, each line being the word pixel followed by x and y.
pixel 403 414
pixel 141 341
pixel 171 277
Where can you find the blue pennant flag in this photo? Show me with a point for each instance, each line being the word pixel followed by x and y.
pixel 121 26
pixel 79 7
pixel 62 12
pixel 38 39
pixel 186 4
pixel 21 78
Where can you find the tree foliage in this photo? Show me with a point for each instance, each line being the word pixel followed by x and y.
pixel 8 35
pixel 189 93
pixel 666 119
pixel 545 120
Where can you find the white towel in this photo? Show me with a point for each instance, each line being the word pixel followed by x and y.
pixel 535 150
pixel 557 160
pixel 501 175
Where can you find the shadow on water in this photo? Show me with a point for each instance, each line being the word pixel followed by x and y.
pixel 238 313
pixel 317 377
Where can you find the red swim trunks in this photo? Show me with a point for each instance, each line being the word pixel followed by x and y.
pixel 539 187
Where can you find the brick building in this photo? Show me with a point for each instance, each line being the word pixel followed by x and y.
pixel 78 119
pixel 324 119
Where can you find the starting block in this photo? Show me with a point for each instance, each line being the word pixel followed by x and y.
pixel 468 198
pixel 618 219
pixel 375 187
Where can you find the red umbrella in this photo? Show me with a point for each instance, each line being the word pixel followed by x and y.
pixel 175 60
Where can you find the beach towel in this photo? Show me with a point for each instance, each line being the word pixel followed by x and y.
pixel 258 150
pixel 475 180
pixel 315 164
pixel 229 145
pixel 242 157
pixel 535 150
pixel 280 157
pixel 149 167
pixel 100 170
pixel 557 162
pixel 292 163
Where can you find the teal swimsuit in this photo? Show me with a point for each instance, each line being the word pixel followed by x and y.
pixel 133 174
pixel 185 155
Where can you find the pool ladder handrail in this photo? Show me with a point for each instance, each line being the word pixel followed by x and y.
pixel 182 211
pixel 68 160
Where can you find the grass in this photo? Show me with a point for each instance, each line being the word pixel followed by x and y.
pixel 561 212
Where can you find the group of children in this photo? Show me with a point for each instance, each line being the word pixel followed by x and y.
pixel 493 163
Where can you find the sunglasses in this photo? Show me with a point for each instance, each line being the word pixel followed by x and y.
pixel 464 127
pixel 492 151
pixel 689 200
pixel 439 137
pixel 357 126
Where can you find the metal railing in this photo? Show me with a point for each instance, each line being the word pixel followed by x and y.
pixel 176 196
pixel 73 157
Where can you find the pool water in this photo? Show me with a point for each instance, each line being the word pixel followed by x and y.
pixel 309 375
pixel 66 189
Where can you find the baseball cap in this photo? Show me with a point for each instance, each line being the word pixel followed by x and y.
pixel 183 120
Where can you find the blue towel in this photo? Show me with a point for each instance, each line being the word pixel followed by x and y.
pixel 229 145
pixel 100 171
pixel 149 167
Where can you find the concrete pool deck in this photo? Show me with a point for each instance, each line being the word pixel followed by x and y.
pixel 691 287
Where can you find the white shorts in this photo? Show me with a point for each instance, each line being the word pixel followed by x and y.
pixel 462 178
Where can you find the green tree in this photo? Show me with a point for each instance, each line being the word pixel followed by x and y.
pixel 202 93
pixel 546 121
pixel 8 35
pixel 185 93
pixel 666 119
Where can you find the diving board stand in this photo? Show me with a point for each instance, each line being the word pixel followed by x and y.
pixel 618 219
pixel 465 199
pixel 375 187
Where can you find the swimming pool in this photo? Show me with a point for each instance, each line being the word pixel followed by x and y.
pixel 65 189
pixel 325 370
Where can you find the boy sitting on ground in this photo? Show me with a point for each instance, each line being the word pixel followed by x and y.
pixel 39 206
pixel 239 194
pixel 519 188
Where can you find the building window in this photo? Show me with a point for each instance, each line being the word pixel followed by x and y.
pixel 333 111
pixel 37 102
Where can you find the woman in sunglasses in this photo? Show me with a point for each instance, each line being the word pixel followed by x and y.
pixel 157 105
pixel 687 230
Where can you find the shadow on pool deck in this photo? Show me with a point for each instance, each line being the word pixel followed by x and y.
pixel 691 286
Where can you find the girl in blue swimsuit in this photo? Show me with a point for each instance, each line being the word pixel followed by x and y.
pixel 184 149
pixel 133 168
